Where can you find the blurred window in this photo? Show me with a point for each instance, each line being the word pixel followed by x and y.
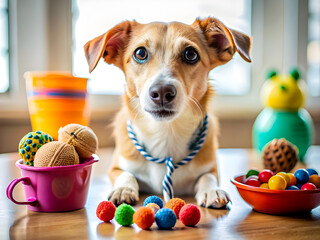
pixel 93 18
pixel 4 47
pixel 313 51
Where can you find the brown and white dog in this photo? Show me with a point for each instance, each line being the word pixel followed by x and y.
pixel 166 67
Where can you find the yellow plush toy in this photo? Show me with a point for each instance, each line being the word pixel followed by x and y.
pixel 284 92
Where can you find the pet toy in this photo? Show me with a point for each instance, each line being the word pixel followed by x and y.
pixel 105 211
pixel 154 207
pixel 283 98
pixel 56 154
pixel 153 199
pixel 124 214
pixel 81 137
pixel 277 182
pixel 30 143
pixel 190 215
pixel 144 217
pixel 279 156
pixel 165 218
pixel 315 179
pixel 265 175
pixel 175 204
pixel 308 186
pixel 302 176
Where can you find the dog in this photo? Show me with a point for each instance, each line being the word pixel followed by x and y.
pixel 166 67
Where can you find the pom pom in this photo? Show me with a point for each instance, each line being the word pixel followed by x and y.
pixel 190 215
pixel 175 204
pixel 165 218
pixel 153 199
pixel 124 214
pixel 154 207
pixel 144 217
pixel 105 211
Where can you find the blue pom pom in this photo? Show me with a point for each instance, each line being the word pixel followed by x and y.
pixel 153 199
pixel 165 218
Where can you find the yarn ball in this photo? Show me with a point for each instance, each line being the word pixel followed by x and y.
pixel 153 199
pixel 105 211
pixel 279 155
pixel 81 137
pixel 154 207
pixel 175 204
pixel 30 143
pixel 165 218
pixel 124 214
pixel 56 154
pixel 144 217
pixel 190 215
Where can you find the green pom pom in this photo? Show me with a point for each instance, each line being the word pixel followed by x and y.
pixel 124 214
pixel 271 74
pixel 295 74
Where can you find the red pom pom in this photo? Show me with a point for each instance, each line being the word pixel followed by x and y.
pixel 144 217
pixel 105 211
pixel 190 215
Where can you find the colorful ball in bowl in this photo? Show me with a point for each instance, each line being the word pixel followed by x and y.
pixel 276 201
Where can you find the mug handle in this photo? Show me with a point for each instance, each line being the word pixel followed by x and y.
pixel 26 181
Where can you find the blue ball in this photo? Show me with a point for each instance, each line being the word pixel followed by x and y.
pixel 293 188
pixel 302 176
pixel 165 218
pixel 299 185
pixel 153 199
pixel 311 171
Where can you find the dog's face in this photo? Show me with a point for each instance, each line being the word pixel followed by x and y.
pixel 167 65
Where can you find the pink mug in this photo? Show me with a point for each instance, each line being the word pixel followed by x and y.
pixel 53 189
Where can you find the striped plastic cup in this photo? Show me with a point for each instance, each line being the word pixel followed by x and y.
pixel 56 99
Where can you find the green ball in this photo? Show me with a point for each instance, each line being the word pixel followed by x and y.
pixel 124 214
pixel 252 172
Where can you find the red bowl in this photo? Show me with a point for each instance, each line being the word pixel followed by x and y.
pixel 277 201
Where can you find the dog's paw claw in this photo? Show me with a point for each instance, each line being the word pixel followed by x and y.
pixel 123 195
pixel 215 198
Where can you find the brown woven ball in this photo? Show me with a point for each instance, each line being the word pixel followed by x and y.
pixel 56 154
pixel 279 155
pixel 81 137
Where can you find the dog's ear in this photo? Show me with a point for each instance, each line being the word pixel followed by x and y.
pixel 222 41
pixel 110 46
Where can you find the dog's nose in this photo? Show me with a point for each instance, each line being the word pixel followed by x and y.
pixel 162 94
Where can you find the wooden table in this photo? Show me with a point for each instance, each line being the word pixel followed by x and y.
pixel 240 222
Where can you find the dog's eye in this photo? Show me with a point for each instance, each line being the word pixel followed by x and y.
pixel 140 55
pixel 190 55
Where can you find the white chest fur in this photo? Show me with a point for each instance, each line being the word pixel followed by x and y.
pixel 161 140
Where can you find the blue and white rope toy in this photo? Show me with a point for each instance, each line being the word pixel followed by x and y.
pixel 168 192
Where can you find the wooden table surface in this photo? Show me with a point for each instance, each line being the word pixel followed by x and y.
pixel 239 222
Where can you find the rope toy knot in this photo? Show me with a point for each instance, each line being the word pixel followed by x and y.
pixel 167 185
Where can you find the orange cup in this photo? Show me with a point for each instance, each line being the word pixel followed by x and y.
pixel 56 99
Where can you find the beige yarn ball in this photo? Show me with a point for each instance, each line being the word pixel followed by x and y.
pixel 56 154
pixel 81 137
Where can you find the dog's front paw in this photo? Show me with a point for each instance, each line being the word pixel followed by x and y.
pixel 123 195
pixel 214 198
